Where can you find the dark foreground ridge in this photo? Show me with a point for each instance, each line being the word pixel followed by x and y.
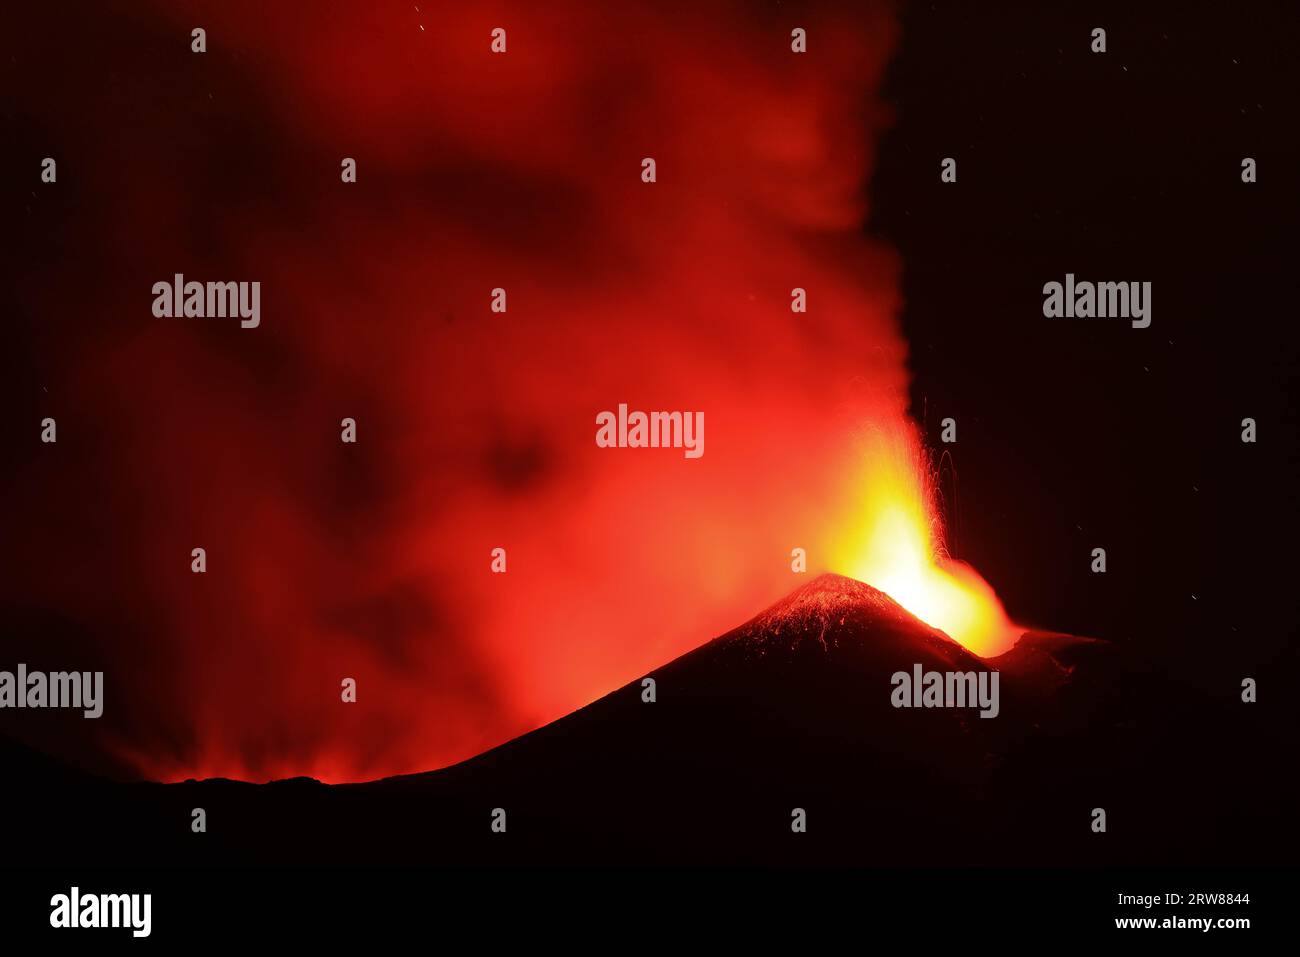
pixel 791 710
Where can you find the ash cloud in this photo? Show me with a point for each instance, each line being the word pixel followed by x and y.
pixel 475 430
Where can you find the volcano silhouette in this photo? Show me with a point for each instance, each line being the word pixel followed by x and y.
pixel 792 710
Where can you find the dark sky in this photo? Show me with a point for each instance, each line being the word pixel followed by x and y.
pixel 1073 434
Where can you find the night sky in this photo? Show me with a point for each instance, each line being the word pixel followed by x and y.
pixel 1079 434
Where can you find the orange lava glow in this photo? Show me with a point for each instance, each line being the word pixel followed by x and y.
pixel 896 544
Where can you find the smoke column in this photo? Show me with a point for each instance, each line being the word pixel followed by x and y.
pixel 475 429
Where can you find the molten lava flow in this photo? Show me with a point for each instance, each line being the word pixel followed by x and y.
pixel 896 545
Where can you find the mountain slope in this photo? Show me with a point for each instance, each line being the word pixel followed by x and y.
pixel 790 711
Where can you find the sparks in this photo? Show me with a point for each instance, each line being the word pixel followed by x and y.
pixel 895 544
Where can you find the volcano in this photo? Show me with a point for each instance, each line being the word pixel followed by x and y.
pixel 788 715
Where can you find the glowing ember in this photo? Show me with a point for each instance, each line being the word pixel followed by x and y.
pixel 896 545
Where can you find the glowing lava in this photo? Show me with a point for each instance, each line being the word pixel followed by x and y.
pixel 896 544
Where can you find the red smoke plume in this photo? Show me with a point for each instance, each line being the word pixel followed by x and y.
pixel 475 429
